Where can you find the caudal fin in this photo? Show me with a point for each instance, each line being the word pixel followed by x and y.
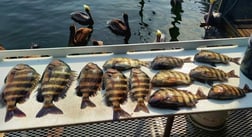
pixel 141 106
pixel 236 60
pixel 200 94
pixel 87 103
pixel 187 60
pixel 52 109
pixel 14 112
pixel 119 112
pixel 246 88
pixel 232 74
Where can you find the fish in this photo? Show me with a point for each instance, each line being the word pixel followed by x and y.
pixel 172 98
pixel 226 91
pixel 140 88
pixel 124 63
pixel 165 78
pixel 211 57
pixel 168 62
pixel 205 74
pixel 89 82
pixel 56 80
pixel 21 80
pixel 116 88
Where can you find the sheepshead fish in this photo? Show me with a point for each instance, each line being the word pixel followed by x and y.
pixel 123 63
pixel 168 62
pixel 116 85
pixel 55 81
pixel 173 98
pixel 166 78
pixel 207 74
pixel 207 56
pixel 225 91
pixel 139 88
pixel 19 83
pixel 89 82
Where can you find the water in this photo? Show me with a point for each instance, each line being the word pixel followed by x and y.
pixel 47 22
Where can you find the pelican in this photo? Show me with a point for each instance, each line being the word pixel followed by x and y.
pixel 79 37
pixel 211 18
pixel 160 37
pixel 82 17
pixel 120 27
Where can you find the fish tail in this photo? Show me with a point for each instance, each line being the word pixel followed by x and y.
pixel 86 102
pixel 145 63
pixel 49 109
pixel 246 88
pixel 200 94
pixel 141 106
pixel 118 111
pixel 236 60
pixel 232 74
pixel 14 112
pixel 188 59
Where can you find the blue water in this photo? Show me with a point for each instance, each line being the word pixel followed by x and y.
pixel 44 22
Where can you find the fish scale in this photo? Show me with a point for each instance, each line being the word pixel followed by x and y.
pixel 139 88
pixel 225 91
pixel 56 80
pixel 115 84
pixel 168 62
pixel 19 83
pixel 173 98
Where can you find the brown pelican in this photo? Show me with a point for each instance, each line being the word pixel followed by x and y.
pixel 120 27
pixel 160 37
pixel 82 17
pixel 211 18
pixel 79 37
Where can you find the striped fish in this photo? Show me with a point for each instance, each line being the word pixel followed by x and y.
pixel 123 63
pixel 166 78
pixel 139 88
pixel 173 98
pixel 89 82
pixel 55 81
pixel 19 83
pixel 168 62
pixel 225 91
pixel 207 74
pixel 116 85
pixel 207 56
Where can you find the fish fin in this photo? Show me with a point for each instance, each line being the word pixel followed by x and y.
pixel 145 63
pixel 120 112
pixel 200 94
pixel 141 106
pixel 236 60
pixel 232 74
pixel 86 102
pixel 188 59
pixel 246 88
pixel 52 109
pixel 78 92
pixel 14 112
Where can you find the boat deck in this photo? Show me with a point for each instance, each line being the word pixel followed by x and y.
pixel 154 127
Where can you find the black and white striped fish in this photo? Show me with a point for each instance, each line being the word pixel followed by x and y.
pixel 168 62
pixel 208 75
pixel 123 63
pixel 166 78
pixel 89 82
pixel 172 98
pixel 55 81
pixel 140 88
pixel 211 57
pixel 116 85
pixel 19 83
pixel 225 91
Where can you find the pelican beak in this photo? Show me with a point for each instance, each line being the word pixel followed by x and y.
pixel 212 1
